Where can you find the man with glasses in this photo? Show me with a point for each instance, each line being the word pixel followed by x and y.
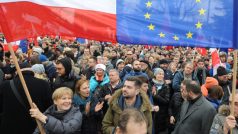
pixel 223 122
pixel 223 81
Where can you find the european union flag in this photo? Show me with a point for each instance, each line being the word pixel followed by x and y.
pixel 203 23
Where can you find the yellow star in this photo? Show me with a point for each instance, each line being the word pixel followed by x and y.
pixel 176 37
pixel 147 16
pixel 198 1
pixel 151 27
pixel 202 11
pixel 189 35
pixel 161 35
pixel 148 4
pixel 199 25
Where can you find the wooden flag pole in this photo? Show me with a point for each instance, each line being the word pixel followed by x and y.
pixel 234 83
pixel 24 84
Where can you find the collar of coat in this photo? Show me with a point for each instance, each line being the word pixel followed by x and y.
pixel 145 106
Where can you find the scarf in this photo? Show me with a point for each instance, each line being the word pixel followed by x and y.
pixel 77 100
pixel 158 84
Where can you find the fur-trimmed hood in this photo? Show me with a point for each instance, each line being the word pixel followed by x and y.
pixel 145 100
pixel 224 110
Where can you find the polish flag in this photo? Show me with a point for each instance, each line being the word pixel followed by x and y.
pixel 216 62
pixel 91 19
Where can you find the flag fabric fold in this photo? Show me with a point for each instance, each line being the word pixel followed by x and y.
pixel 179 23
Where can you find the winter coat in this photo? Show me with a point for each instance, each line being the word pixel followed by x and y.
pixel 66 81
pixel 16 117
pixel 91 118
pixel 133 73
pixel 66 122
pixel 197 119
pixel 116 106
pixel 89 72
pixel 218 122
pixel 201 75
pixel 178 78
pixel 161 98
pixel 107 89
pixel 227 89
pixel 175 105
pixel 93 83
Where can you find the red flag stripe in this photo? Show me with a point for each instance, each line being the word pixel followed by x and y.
pixel 27 19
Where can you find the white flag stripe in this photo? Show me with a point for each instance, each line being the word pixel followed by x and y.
pixel 107 6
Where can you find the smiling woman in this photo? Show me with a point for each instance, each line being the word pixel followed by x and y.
pixel 61 117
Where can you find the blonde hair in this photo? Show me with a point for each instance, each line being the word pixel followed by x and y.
pixel 59 92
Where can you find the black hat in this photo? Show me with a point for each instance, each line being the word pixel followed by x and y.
pixel 163 61
pixel 221 71
pixel 146 62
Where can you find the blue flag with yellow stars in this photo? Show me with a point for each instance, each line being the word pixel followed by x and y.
pixel 203 23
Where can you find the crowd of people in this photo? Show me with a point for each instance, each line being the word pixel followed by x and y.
pixel 99 87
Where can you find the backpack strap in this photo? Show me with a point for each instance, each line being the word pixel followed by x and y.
pixel 16 93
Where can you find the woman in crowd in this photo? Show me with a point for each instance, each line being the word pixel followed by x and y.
pixel 161 95
pixel 61 117
pixel 91 110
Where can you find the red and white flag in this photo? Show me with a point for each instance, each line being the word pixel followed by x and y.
pixel 91 19
pixel 216 62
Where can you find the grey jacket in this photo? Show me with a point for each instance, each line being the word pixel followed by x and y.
pixel 197 120
pixel 67 122
pixel 218 122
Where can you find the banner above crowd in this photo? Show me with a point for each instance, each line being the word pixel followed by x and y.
pixel 202 23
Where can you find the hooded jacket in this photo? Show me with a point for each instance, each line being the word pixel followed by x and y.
pixel 219 119
pixel 116 106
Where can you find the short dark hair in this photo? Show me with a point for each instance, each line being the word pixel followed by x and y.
pixel 131 114
pixel 135 79
pixel 201 60
pixel 193 86
pixel 143 79
pixel 93 57
pixel 215 92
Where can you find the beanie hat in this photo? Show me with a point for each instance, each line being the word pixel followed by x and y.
pixel 158 70
pixel 66 62
pixel 146 62
pixel 119 61
pixel 43 58
pixel 210 81
pixel 38 68
pixel 221 71
pixel 38 50
pixel 163 61
pixel 100 66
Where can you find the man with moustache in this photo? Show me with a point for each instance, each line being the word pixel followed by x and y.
pixel 130 96
pixel 196 114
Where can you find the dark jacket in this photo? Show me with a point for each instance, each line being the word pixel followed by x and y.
pixel 116 106
pixel 178 78
pixel 175 105
pixel 66 122
pixel 50 70
pixel 161 98
pixel 197 119
pixel 227 89
pixel 89 72
pixel 107 89
pixel 16 118
pixel 92 120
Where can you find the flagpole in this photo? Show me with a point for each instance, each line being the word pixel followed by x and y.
pixel 24 84
pixel 234 83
